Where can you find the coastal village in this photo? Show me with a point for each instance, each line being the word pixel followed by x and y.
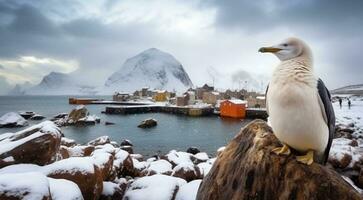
pixel 201 101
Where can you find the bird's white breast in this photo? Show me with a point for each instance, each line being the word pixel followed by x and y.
pixel 294 111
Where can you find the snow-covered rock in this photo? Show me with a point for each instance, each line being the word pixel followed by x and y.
pixel 111 191
pixel 37 117
pixel 80 170
pixel 100 141
pixel 79 150
pixel 151 68
pixel 62 189
pixel 205 167
pixel 187 171
pixel 343 154
pixel 37 144
pixel 188 191
pixel 68 142
pixel 178 157
pixel 26 186
pixel 201 157
pixel 104 161
pixel 12 119
pixel 156 187
pixel 158 167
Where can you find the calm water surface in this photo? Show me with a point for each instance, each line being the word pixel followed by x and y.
pixel 173 131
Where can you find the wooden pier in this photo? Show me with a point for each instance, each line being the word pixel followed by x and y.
pixel 190 111
pixel 85 101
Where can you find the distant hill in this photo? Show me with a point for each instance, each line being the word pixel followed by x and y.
pixel 56 83
pixel 151 68
pixel 350 89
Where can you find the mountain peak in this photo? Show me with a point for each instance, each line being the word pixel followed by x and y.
pixel 153 68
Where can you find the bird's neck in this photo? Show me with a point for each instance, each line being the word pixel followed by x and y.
pixel 297 70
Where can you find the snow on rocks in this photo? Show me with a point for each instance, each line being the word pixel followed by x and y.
pixel 156 187
pixel 158 167
pixel 78 116
pixel 38 144
pixel 12 119
pixel 37 117
pixel 80 170
pixel 188 191
pixel 88 120
pixel 24 186
pixel 178 157
pixel 187 171
pixel 205 167
pixel 68 142
pixel 79 150
pixel 27 114
pixel 100 141
pixel 111 191
pixel 342 153
pixel 98 170
pixel 201 157
pixel 62 189
pixel 104 161
pixel 124 164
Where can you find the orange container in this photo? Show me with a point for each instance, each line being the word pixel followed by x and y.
pixel 233 108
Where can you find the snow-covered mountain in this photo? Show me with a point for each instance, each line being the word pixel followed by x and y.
pixel 56 83
pixel 350 89
pixel 20 89
pixel 151 68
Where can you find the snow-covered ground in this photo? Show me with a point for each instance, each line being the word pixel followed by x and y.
pixel 346 115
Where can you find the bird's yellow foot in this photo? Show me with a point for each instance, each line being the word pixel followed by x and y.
pixel 307 159
pixel 284 150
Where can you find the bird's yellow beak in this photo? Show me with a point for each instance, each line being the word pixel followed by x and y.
pixel 269 49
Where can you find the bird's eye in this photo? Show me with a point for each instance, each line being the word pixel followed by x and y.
pixel 285 45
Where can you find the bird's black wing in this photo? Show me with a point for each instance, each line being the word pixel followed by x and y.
pixel 266 99
pixel 328 113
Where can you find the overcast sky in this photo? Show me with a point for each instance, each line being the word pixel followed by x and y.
pixel 93 38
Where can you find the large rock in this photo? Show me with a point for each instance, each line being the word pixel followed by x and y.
pixel 148 123
pixel 247 169
pixel 12 119
pixel 80 170
pixel 38 144
pixel 77 113
pixel 29 185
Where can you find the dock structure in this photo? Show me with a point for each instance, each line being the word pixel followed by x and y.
pixel 85 101
pixel 251 113
pixel 181 110
pixel 256 113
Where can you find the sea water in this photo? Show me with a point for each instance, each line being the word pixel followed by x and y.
pixel 172 132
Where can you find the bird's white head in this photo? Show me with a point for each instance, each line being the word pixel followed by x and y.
pixel 289 49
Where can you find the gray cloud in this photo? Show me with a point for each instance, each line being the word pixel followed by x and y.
pixel 63 31
pixel 331 25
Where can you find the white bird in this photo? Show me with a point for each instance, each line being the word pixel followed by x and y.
pixel 299 105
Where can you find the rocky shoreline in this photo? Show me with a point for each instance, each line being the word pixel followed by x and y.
pixel 106 169
pixel 100 169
